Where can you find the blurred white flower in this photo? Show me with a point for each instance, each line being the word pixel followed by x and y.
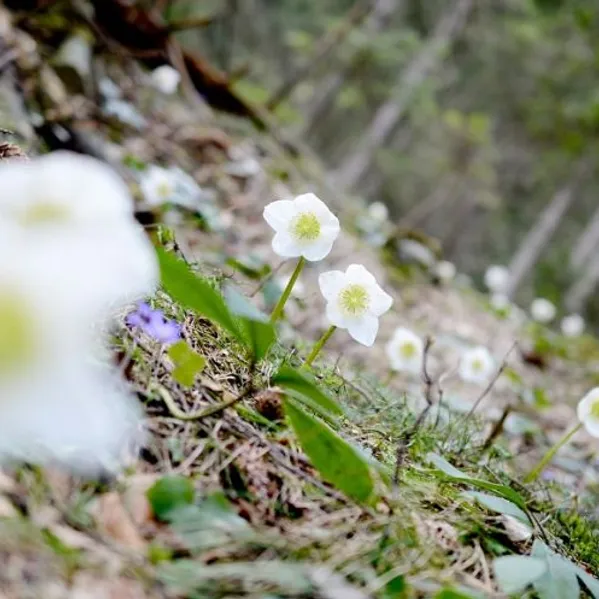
pixel 499 301
pixel 125 112
pixel 378 212
pixel 355 302
pixel 572 325
pixel 63 191
pixel 414 251
pixel 405 350
pixel 299 288
pixel 542 310
pixel 588 412
pixel 303 226
pixel 445 270
pixel 476 365
pixel 496 278
pixel 244 169
pixel 170 185
pixel 166 79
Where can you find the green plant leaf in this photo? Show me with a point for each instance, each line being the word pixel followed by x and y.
pixel 188 363
pixel 336 460
pixel 451 473
pixel 193 291
pixel 304 384
pixel 590 582
pixel 499 505
pixel 559 580
pixel 514 573
pixel 170 493
pixel 455 594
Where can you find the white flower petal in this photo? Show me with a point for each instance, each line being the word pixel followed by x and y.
pixel 279 214
pixel 364 330
pixel 331 283
pixel 542 310
pixel 592 426
pixel 356 273
pixel 335 316
pixel 404 338
pixel 318 250
pixel 585 405
pixel 497 278
pixel 166 79
pixel 285 246
pixel 380 301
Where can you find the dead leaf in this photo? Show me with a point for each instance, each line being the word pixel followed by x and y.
pixel 135 499
pixel 114 521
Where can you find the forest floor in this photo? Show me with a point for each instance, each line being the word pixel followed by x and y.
pixel 263 523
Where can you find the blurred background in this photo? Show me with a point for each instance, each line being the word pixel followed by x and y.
pixel 475 121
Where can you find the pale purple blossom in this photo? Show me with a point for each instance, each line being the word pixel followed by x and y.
pixel 154 324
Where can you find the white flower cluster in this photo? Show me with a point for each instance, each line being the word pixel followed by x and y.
pixel 72 254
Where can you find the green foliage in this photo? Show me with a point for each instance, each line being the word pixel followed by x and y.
pixel 170 493
pixel 188 364
pixel 336 460
pixel 514 573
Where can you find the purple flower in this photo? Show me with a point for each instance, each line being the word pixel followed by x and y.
pixel 154 324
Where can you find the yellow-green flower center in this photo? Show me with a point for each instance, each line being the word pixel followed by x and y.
pixel 354 300
pixel 164 189
pixel 477 365
pixel 407 350
pixel 305 227
pixel 595 409
pixel 17 334
pixel 43 213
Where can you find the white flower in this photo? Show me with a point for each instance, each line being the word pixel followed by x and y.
pixel 166 79
pixel 588 411
pixel 405 350
pixel 542 310
pixel 445 270
pixel 572 325
pixel 355 301
pixel 414 251
pixel 303 227
pixel 477 365
pixel 499 301
pixel 63 190
pixel 125 112
pixel 496 278
pixel 378 212
pixel 170 185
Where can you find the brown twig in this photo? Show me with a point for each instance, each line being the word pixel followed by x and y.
pixel 497 428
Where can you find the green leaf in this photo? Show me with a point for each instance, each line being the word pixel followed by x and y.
pixel 188 363
pixel 454 594
pixel 559 580
pixel 304 384
pixel 186 576
pixel 258 332
pixel 193 291
pixel 514 573
pixel 590 582
pixel 170 493
pixel 452 473
pixel 396 588
pixel 336 460
pixel 499 505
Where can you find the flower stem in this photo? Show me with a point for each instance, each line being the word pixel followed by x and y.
pixel 319 345
pixel 277 313
pixel 538 469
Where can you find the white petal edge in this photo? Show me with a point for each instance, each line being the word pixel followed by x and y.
pixel 318 250
pixel 364 330
pixel 279 214
pixel 331 283
pixel 285 246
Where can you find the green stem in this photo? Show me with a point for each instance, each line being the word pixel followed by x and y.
pixel 538 469
pixel 319 345
pixel 277 313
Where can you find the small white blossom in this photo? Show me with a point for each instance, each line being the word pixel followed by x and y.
pixel 542 310
pixel 588 412
pixel 378 212
pixel 496 278
pixel 355 302
pixel 414 251
pixel 405 350
pixel 500 302
pixel 170 185
pixel 166 79
pixel 125 112
pixel 303 227
pixel 572 325
pixel 445 270
pixel 476 365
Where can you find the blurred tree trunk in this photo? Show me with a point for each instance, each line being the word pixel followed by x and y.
pixel 360 10
pixel 328 89
pixel 538 237
pixel 587 243
pixel 355 166
pixel 580 291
